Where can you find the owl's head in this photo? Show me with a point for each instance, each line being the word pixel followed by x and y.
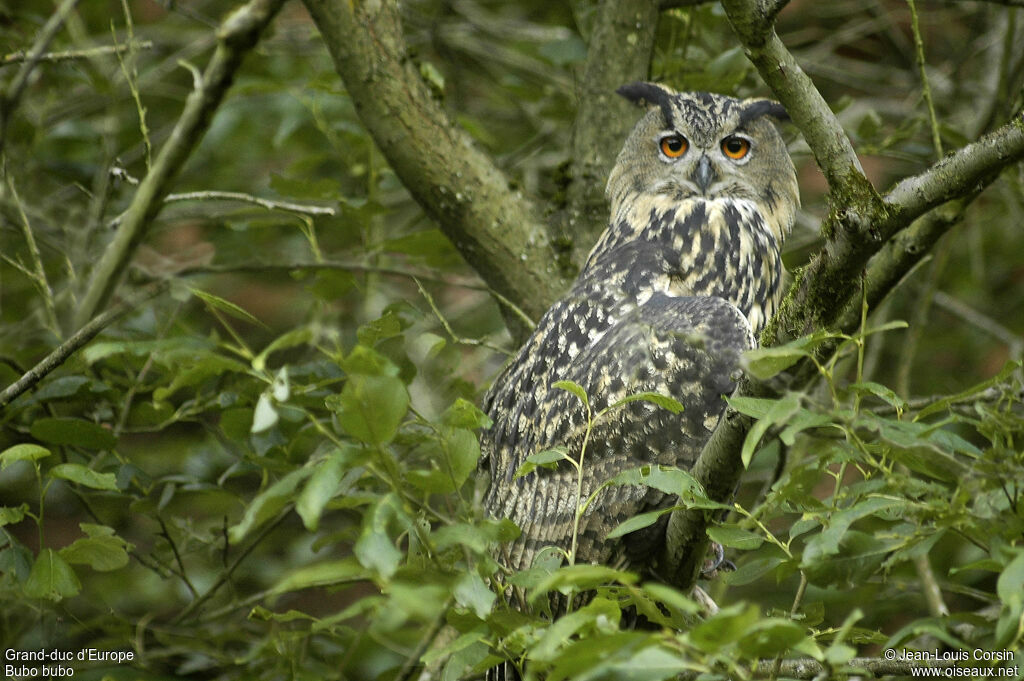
pixel 698 145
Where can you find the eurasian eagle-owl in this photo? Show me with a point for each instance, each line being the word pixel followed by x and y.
pixel 686 274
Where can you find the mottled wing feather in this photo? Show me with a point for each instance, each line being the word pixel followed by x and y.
pixel 684 347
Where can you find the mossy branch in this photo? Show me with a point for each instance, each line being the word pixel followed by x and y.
pixel 500 233
pixel 237 35
pixel 880 237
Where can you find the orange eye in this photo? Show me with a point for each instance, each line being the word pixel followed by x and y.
pixel 735 147
pixel 674 146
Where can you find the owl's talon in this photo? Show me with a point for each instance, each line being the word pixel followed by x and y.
pixel 717 563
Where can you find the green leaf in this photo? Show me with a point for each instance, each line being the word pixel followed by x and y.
pixel 754 407
pixel 801 421
pixel 860 555
pixel 364 360
pixel 545 459
pixel 551 643
pixel 1010 585
pixel 888 326
pixel 572 578
pixel 267 503
pixel 778 414
pixel 771 637
pixel 574 388
pixel 663 401
pixel 66 430
pixel 672 597
pixel 24 452
pixel 471 592
pixel 827 543
pixel 764 363
pixel 464 414
pixel 76 472
pixel 881 392
pixel 10 515
pixel 328 573
pixel 201 366
pixel 670 480
pixel 463 451
pixel 989 564
pixel 51 578
pixel 294 338
pixel 375 549
pixel 265 416
pixel 752 570
pixel 101 549
pixel 370 408
pixel 639 522
pixel 727 626
pixel 321 487
pixel 218 303
pixel 735 537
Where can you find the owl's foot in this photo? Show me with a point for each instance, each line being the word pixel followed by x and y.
pixel 716 562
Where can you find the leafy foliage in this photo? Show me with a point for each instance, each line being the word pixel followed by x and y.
pixel 272 470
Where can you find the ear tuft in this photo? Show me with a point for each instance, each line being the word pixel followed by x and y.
pixel 650 94
pixel 755 108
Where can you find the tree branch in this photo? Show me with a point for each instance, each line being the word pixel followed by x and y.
pixel 67 55
pixel 9 99
pixel 500 233
pixel 876 666
pixel 236 36
pixel 81 337
pixel 957 175
pixel 752 20
pixel 619 52
pixel 826 293
pixel 269 204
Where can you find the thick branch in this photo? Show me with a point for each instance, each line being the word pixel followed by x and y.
pixel 236 36
pixel 957 175
pixel 752 22
pixel 718 469
pixel 900 255
pixel 619 52
pixel 826 293
pixel 499 232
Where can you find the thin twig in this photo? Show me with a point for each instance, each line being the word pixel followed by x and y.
pixel 131 76
pixel 447 327
pixel 73 344
pixel 357 267
pixel 9 100
pixel 68 55
pixel 237 35
pixel 269 204
pixel 1013 341
pixel 229 570
pixel 926 90
pixel 177 556
pixel 38 273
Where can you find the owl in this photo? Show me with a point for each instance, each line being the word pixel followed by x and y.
pixel 686 274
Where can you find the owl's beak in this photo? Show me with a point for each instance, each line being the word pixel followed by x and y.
pixel 704 175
